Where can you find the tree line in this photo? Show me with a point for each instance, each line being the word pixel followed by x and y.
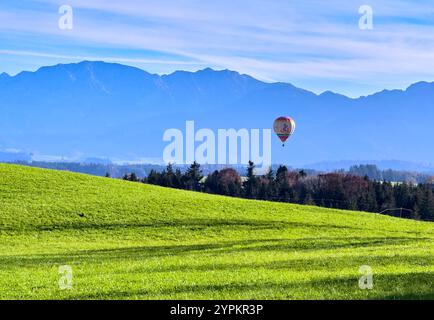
pixel 374 173
pixel 331 190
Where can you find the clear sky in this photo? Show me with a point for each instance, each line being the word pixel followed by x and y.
pixel 313 44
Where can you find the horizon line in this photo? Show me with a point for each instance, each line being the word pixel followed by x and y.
pixel 114 60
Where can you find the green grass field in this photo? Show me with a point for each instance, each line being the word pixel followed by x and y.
pixel 127 240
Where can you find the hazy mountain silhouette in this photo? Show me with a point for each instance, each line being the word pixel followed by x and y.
pixel 98 109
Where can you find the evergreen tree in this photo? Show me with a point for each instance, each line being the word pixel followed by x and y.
pixel 252 183
pixel 211 184
pixel 192 177
pixel 169 176
pixel 177 179
pixel 282 184
pixel 268 186
pixel 153 178
pixel 131 177
pixel 427 203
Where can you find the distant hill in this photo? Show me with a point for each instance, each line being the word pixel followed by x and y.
pixel 125 240
pixel 381 164
pixel 9 156
pixel 106 110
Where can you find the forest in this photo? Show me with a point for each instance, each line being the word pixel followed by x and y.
pixel 341 190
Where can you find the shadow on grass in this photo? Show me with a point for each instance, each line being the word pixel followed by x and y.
pixel 193 224
pixel 300 265
pixel 392 287
pixel 212 249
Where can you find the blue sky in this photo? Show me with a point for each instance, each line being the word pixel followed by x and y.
pixel 313 44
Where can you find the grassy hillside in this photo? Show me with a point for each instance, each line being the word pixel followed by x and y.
pixel 132 241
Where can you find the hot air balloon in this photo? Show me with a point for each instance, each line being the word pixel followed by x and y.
pixel 284 127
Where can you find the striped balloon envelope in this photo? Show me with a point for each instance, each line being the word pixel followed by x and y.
pixel 284 127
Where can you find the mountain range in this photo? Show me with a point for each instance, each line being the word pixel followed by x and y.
pixel 118 112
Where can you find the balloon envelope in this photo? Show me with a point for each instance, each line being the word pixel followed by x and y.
pixel 284 127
